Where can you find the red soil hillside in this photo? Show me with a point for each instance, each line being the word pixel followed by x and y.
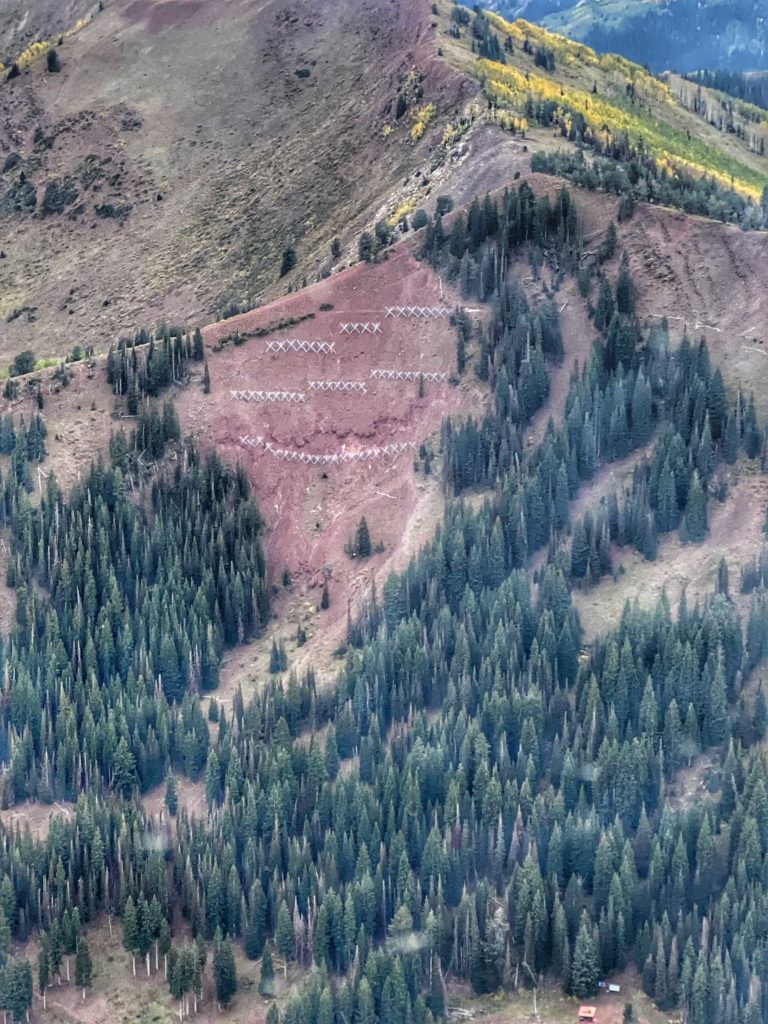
pixel 312 510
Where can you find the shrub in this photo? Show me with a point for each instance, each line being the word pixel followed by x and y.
pixel 544 58
pixel 365 247
pixel 289 261
pixel 109 211
pixel 24 362
pixel 58 196
pixel 419 219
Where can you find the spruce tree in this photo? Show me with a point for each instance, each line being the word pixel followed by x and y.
pixel 224 972
pixel 285 941
pixel 625 291
pixel 198 350
pixel 696 511
pixel 124 773
pixel 43 967
pixel 461 352
pixel 83 966
pixel 267 974
pixel 171 793
pixel 275 661
pixel 585 967
pixel 131 930
pixel 362 539
pixel 288 261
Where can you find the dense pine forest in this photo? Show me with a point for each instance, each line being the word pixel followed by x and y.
pixel 479 796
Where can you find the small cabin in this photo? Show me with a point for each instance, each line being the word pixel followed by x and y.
pixel 588 1015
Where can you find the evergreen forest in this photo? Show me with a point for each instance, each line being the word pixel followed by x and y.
pixel 481 796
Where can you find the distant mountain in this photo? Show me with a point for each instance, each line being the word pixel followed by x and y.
pixel 680 34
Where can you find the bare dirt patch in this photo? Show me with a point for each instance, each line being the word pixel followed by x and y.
pixel 22 23
pixel 689 786
pixel 708 278
pixel 79 419
pixel 191 799
pixel 556 1008
pixel 36 815
pixel 312 511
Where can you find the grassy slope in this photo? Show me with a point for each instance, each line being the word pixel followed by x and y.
pixel 674 134
pixel 24 23
pixel 200 105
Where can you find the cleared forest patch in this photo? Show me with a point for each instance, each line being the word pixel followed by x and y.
pixel 735 533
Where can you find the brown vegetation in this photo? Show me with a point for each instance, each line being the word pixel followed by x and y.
pixel 222 169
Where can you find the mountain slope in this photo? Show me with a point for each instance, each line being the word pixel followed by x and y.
pixel 615 108
pixel 24 23
pixel 679 34
pixel 157 192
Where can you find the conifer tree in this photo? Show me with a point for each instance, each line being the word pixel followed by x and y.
pixel 267 974
pixel 284 937
pixel 696 511
pixel 131 928
pixel 198 351
pixel 43 968
pixel 625 290
pixel 224 972
pixel 171 793
pixel 585 968
pixel 362 539
pixel 83 966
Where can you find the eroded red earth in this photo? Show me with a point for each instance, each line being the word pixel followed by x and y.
pixel 312 511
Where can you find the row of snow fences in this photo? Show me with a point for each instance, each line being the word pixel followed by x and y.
pixel 360 328
pixel 419 312
pixel 336 458
pixel 297 345
pixel 409 375
pixel 338 385
pixel 267 396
